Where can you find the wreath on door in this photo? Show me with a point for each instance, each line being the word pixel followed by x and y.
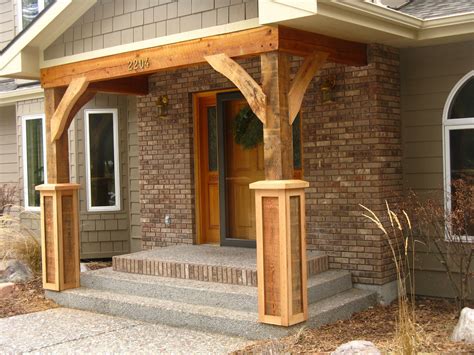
pixel 248 129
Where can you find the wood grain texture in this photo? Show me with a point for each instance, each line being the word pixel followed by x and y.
pixel 49 269
pixel 296 259
pixel 303 77
pixel 271 252
pixel 137 85
pixel 236 44
pixel 303 43
pixel 73 92
pixel 277 134
pixel 245 83
pixel 57 151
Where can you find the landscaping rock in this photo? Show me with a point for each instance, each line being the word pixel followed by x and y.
pixel 84 267
pixel 16 272
pixel 464 330
pixel 357 347
pixel 6 289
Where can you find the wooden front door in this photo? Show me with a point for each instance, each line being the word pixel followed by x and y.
pixel 242 167
pixel 226 205
pixel 208 167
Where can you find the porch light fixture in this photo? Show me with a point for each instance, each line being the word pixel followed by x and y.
pixel 327 90
pixel 162 106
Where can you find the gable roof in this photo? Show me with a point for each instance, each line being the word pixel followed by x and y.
pixel 425 9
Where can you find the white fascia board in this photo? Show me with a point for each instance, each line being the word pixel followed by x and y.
pixel 10 97
pixel 272 11
pixel 23 55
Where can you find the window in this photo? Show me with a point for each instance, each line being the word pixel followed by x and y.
pixel 102 160
pixel 458 136
pixel 29 9
pixel 34 159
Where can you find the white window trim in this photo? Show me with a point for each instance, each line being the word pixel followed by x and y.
pixel 449 125
pixel 25 158
pixel 117 205
pixel 20 12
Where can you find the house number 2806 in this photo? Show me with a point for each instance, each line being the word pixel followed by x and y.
pixel 139 63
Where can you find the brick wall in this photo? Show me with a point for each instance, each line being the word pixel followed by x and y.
pixel 351 155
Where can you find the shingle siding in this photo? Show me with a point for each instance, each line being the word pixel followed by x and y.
pixel 114 22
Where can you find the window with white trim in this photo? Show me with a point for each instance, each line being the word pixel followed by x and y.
pixel 458 136
pixel 29 9
pixel 102 160
pixel 34 159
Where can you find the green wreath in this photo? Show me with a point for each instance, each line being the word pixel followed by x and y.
pixel 248 129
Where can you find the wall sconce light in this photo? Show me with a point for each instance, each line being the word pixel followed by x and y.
pixel 327 90
pixel 162 106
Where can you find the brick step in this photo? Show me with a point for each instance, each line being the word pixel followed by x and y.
pixel 226 265
pixel 206 318
pixel 236 297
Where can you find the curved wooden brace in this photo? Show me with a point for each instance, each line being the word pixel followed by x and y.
pixel 60 117
pixel 252 91
pixel 305 74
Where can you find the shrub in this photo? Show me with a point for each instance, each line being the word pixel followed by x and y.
pixel 7 197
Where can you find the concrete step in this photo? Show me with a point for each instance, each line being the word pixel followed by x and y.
pixel 228 296
pixel 212 319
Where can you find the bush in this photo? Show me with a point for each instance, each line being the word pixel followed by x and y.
pixel 7 197
pixel 19 242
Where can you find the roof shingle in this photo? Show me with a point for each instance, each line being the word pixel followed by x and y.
pixel 425 9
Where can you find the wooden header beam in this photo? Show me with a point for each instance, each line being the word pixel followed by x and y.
pixel 235 45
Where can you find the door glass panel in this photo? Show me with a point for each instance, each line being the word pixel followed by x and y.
pixel 212 137
pixel 461 147
pixel 297 143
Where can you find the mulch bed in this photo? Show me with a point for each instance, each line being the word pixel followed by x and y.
pixel 436 319
pixel 27 298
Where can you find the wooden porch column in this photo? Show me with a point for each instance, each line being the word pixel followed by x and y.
pixel 280 221
pixel 280 202
pixel 59 198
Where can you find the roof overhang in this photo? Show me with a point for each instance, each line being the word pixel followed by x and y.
pixel 364 21
pixel 22 58
pixel 28 93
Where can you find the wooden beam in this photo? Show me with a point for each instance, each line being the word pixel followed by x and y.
pixel 277 134
pixel 60 117
pixel 57 151
pixel 305 74
pixel 237 44
pixel 137 85
pixel 245 83
pixel 303 43
pixel 84 99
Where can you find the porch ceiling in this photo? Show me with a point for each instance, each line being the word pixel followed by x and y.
pixel 237 45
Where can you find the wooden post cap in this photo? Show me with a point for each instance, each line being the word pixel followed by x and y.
pixel 279 185
pixel 57 187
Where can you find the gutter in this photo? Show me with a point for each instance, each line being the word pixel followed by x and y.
pixel 21 94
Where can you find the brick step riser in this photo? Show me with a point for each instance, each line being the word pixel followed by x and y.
pixel 208 273
pixel 209 297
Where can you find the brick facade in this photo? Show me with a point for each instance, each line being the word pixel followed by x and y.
pixel 351 155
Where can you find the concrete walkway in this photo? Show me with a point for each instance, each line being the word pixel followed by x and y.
pixel 63 330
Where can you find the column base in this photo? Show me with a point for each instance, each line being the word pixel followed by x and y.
pixel 60 236
pixel 281 251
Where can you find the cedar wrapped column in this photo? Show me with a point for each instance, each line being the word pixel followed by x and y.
pixel 60 236
pixel 280 204
pixel 281 251
pixel 59 198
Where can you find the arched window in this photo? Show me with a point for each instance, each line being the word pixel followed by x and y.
pixel 458 137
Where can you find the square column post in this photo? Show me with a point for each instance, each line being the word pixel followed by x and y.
pixel 280 207
pixel 59 208
pixel 281 251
